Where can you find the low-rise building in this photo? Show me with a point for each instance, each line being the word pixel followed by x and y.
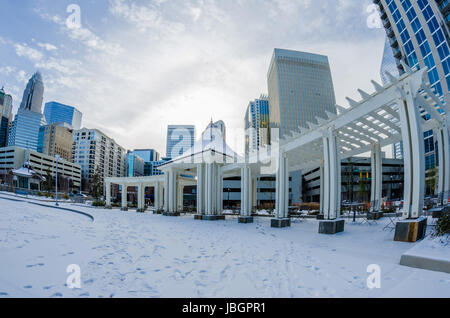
pixel 14 158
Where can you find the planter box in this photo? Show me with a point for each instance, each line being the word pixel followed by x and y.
pixel 410 230
pixel 331 226
pixel 280 223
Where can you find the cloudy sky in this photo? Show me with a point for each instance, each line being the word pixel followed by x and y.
pixel 135 66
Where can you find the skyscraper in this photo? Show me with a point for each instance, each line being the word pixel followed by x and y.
pixel 33 95
pixel 24 131
pixel 388 64
pixel 59 113
pixel 418 35
pixel 5 116
pixel 257 122
pixel 180 138
pixel 300 89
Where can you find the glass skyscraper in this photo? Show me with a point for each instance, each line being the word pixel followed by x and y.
pixel 418 34
pixel 180 138
pixel 300 90
pixel 59 113
pixel 24 131
pixel 257 123
pixel 33 95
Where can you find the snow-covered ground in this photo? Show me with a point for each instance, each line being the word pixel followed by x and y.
pixel 144 255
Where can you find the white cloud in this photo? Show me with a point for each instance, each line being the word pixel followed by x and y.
pixel 47 46
pixel 23 50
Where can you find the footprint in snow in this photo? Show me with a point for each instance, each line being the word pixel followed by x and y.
pixel 56 295
pixel 3 294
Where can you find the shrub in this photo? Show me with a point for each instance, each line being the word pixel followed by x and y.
pixel 443 225
pixel 66 196
pixel 98 203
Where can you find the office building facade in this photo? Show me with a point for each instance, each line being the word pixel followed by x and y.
pixel 12 158
pixel 418 34
pixel 180 138
pixel 257 123
pixel 56 113
pixel 56 140
pixel 93 150
pixel 300 90
pixel 149 156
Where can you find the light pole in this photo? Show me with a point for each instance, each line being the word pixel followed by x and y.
pixel 56 197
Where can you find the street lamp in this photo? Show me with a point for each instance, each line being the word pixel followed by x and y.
pixel 57 159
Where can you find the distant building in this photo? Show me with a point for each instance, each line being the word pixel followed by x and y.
pixel 257 122
pixel 13 158
pixel 219 127
pixel 56 140
pixel 155 164
pixel 135 165
pixel 180 138
pixel 300 90
pixel 94 150
pixel 24 131
pixel 5 116
pixel 56 113
pixel 149 156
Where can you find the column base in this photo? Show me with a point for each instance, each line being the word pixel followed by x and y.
pixel 280 223
pixel 331 226
pixel 213 217
pixel 374 215
pixel 245 219
pixel 410 230
pixel 436 213
pixel 124 209
pixel 108 207
pixel 320 217
pixel 198 217
pixel 140 210
pixel 171 213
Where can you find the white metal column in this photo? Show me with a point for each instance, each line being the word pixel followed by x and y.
pixel 246 195
pixel 332 176
pixel 414 158
pixel 200 189
pixel 124 196
pixel 377 177
pixel 166 191
pixel 108 194
pixel 156 191
pixel 442 139
pixel 141 200
pixel 282 187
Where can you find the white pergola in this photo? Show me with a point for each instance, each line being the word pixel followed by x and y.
pixel 391 114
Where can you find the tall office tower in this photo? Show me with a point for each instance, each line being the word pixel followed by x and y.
pixel 257 122
pixel 24 131
pixel 218 126
pixel 180 138
pixel 149 156
pixel 56 139
pixel 33 95
pixel 56 113
pixel 93 150
pixel 300 89
pixel 418 34
pixel 388 64
pixel 5 116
